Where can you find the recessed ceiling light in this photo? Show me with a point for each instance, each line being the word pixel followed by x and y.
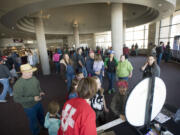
pixel 160 5
pixel 12 28
pixel 108 2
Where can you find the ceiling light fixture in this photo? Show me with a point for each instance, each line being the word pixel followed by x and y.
pixel 160 5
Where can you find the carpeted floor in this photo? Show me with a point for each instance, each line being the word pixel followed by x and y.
pixel 14 122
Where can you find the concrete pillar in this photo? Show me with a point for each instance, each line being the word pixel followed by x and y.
pixel 124 33
pixel 117 29
pixel 41 41
pixel 76 34
pixel 157 33
pixel 94 39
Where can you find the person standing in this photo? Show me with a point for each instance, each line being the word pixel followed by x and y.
pixel 167 52
pixel 150 68
pixel 124 69
pixel 110 66
pixel 67 70
pixel 81 62
pixel 4 80
pixel 89 64
pixel 56 59
pixel 159 52
pixel 28 93
pixel 78 118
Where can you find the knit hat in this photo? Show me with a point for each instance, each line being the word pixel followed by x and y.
pixel 123 84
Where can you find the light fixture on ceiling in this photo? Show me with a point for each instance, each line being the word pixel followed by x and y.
pixel 44 16
pixel 12 28
pixel 108 3
pixel 30 42
pixel 160 5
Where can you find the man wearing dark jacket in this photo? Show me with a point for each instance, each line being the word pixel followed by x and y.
pixel 89 64
pixel 4 80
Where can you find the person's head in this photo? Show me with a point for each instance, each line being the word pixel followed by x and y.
pixel 74 85
pixel 27 71
pixel 87 88
pixel 66 57
pixel 98 57
pixel 122 87
pixel 79 75
pixel 79 51
pixel 98 82
pixel 91 54
pixel 122 58
pixel 53 107
pixel 151 60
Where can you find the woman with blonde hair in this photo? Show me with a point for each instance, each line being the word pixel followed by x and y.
pixel 98 67
pixel 67 70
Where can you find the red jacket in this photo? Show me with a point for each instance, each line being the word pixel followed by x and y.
pixel 78 118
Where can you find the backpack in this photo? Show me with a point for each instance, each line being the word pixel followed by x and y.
pixel 56 57
pixel 97 102
pixel 70 70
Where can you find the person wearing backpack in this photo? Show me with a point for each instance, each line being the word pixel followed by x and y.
pixel 56 59
pixel 67 70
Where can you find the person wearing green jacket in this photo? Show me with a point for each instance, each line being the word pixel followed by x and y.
pixel 124 69
pixel 28 93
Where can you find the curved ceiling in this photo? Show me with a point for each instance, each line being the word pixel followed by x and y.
pixel 91 17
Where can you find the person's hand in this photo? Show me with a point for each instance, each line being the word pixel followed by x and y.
pixel 130 76
pixel 42 94
pixel 106 109
pixel 97 73
pixel 37 98
pixel 12 80
pixel 122 117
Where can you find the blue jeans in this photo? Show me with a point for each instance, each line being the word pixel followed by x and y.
pixel 35 114
pixel 6 88
pixel 123 78
pixel 159 58
pixel 111 78
pixel 57 64
pixel 69 81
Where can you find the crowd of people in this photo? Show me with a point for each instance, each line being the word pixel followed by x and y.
pixel 83 71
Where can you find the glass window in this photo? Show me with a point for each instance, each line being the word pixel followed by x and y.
pixel 138 35
pixel 129 43
pixel 141 27
pixel 129 29
pixel 176 19
pixel 146 34
pixel 165 40
pixel 175 30
pixel 129 35
pixel 165 22
pixel 164 32
pixel 146 44
pixel 171 42
pixel 147 26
